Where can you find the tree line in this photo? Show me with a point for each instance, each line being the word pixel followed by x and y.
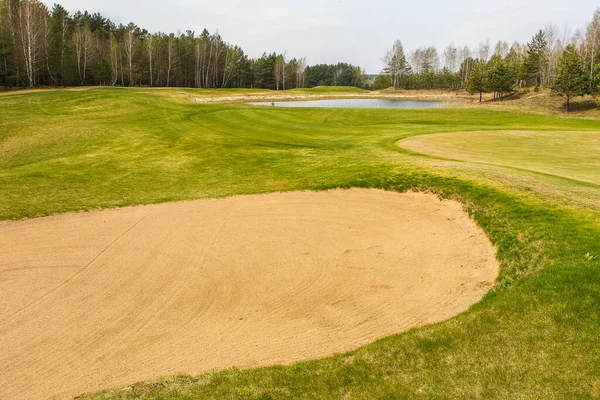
pixel 568 63
pixel 51 47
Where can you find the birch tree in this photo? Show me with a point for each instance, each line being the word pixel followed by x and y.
pixel 129 46
pixel 483 50
pixel 338 71
pixel 150 49
pixel 501 49
pixel 395 63
pixel 279 71
pixel 556 47
pixel 451 58
pixel 171 58
pixel 199 52
pixel 83 39
pixel 465 63
pixel 300 72
pixel 218 44
pixel 210 42
pixel 30 33
pixel 424 59
pixel 233 57
pixel 114 58
pixel 592 43
pixel 283 68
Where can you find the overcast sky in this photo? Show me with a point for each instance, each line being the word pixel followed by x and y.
pixel 354 31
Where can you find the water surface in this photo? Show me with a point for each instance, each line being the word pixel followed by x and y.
pixel 358 103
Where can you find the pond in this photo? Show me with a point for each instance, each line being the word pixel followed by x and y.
pixel 359 103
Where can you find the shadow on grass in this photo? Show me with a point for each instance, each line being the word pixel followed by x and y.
pixel 581 106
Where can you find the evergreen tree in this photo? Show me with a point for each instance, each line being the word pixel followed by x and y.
pixel 478 79
pixel 514 61
pixel 7 47
pixel 262 70
pixel 382 81
pixel 596 80
pixel 537 58
pixel 500 78
pixel 59 51
pixel 572 77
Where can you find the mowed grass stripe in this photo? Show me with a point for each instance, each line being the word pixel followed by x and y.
pixel 573 155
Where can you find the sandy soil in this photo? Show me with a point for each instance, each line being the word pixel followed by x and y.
pixel 104 299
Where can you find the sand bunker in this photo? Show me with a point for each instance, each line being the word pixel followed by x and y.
pixel 103 299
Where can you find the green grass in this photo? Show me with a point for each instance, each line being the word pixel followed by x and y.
pixel 534 336
pixel 574 155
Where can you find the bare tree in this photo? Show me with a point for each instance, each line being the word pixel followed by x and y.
pixel 414 59
pixel 483 51
pixel 451 58
pixel 114 59
pixel 30 33
pixel 465 60
pixel 171 58
pixel 207 69
pixel 431 61
pixel 501 49
pixel 395 63
pixel 200 50
pixel 592 42
pixel 556 46
pixel 233 56
pixel 279 71
pixel 300 72
pixel 283 68
pixel 337 74
pixel 218 44
pixel 129 41
pixel 150 47
pixel 83 38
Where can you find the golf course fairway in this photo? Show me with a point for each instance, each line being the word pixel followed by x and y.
pixel 525 183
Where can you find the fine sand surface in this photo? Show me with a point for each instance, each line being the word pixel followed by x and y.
pixel 107 298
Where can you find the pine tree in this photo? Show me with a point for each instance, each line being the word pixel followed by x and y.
pixel 572 77
pixel 477 80
pixel 500 77
pixel 7 68
pixel 58 47
pixel 537 57
pixel 596 80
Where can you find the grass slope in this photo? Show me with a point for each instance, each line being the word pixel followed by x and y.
pixel 534 336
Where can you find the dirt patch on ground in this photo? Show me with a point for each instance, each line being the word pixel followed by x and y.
pixel 103 299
